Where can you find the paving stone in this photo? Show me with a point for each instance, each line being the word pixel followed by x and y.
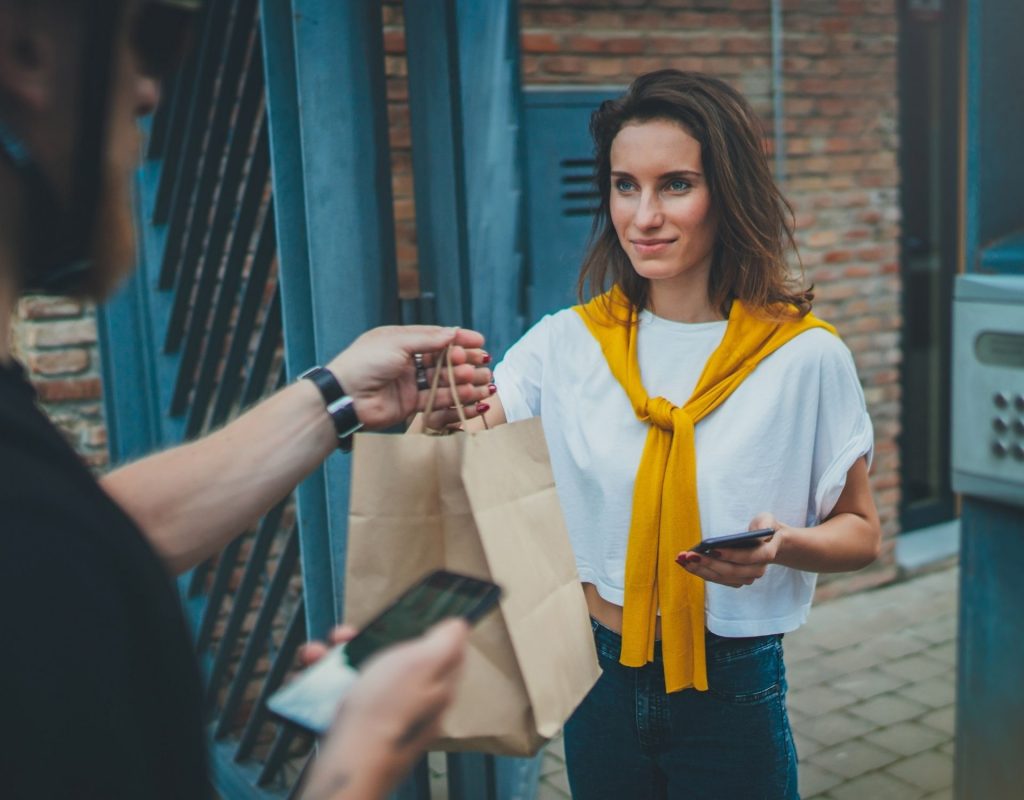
pixel 548 792
pixel 946 653
pixel 818 700
pixel 887 710
pixel 916 668
pixel 891 646
pixel 907 738
pixel 852 758
pixel 557 747
pixel 949 748
pixel 942 794
pixel 868 683
pixel 558 780
pixel 831 729
pixel 814 780
pixel 805 748
pixel 876 786
pixel 937 632
pixel 854 659
pixel 812 672
pixel 437 763
pixel 930 771
pixel 550 765
pixel 935 692
pixel 942 719
pixel 839 637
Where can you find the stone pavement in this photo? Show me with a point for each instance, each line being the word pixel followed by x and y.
pixel 871 692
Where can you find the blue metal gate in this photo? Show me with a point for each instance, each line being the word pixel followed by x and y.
pixel 266 245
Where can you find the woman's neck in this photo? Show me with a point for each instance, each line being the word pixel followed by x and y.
pixel 682 301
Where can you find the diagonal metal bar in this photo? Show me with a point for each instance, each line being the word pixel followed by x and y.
pixel 230 384
pixel 263 358
pixel 213 190
pixel 227 291
pixel 255 566
pixel 286 734
pixel 178 178
pixel 256 642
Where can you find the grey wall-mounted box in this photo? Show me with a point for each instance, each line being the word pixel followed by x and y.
pixel 988 387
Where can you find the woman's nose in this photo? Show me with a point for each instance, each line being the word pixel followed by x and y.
pixel 648 214
pixel 147 95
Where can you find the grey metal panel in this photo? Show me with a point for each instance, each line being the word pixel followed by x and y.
pixel 488 42
pixel 435 110
pixel 562 196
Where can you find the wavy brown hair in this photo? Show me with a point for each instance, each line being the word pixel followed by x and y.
pixel 754 221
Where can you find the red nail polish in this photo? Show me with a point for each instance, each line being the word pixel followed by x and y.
pixel 492 388
pixel 681 559
pixel 694 558
pixel 487 358
pixel 716 553
pixel 482 408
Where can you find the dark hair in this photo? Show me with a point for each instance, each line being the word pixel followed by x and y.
pixel 754 221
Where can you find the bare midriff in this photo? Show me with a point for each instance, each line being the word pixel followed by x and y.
pixel 608 614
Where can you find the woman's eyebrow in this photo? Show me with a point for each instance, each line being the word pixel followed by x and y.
pixel 621 173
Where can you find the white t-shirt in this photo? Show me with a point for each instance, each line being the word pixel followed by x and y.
pixel 782 443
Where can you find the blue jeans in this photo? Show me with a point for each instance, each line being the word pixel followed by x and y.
pixel 629 740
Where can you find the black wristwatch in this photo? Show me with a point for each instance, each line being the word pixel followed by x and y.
pixel 340 406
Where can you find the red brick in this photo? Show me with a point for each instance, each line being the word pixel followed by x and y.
pixel 38 307
pixel 68 389
pixel 538 42
pixel 59 362
pixel 59 334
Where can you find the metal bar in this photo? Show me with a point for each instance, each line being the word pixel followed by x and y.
pixel 260 630
pixel 491 100
pixel 227 293
pixel 417 785
pixel 283 661
pixel 435 110
pixel 197 579
pixel 164 115
pixel 778 92
pixel 172 202
pixel 471 775
pixel 215 600
pixel 333 206
pixel 212 190
pixel 230 383
pixel 254 568
pixel 270 338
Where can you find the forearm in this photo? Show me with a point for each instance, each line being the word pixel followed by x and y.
pixel 192 500
pixel 843 543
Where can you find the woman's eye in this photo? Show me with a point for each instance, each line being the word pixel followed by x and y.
pixel 678 185
pixel 624 186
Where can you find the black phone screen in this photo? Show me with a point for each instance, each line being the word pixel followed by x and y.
pixel 439 595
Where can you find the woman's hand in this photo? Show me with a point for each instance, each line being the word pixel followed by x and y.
pixel 737 566
pixel 379 372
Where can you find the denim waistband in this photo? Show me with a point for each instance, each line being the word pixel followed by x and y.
pixel 609 643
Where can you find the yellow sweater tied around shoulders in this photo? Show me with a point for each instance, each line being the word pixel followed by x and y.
pixel 666 519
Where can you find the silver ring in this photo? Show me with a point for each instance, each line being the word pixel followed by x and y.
pixel 421 372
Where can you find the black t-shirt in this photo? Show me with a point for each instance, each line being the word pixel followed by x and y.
pixel 100 693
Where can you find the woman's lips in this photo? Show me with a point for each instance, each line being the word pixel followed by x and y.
pixel 651 247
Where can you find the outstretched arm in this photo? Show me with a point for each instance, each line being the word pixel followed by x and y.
pixel 190 501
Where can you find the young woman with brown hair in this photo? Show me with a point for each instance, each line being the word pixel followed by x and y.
pixel 693 395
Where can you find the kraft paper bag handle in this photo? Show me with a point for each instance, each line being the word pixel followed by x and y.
pixel 446 356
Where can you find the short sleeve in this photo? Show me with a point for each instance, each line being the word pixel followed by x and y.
pixel 844 432
pixel 520 374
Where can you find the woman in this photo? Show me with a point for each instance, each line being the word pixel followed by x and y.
pixel 697 398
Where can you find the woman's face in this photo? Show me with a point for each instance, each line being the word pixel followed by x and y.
pixel 660 205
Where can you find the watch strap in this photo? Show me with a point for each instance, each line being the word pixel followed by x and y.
pixel 340 406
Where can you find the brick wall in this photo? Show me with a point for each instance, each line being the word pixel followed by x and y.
pixel 56 340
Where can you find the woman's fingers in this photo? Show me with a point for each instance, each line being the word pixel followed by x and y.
pixel 718 570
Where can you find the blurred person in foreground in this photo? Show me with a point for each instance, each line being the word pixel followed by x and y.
pixel 101 690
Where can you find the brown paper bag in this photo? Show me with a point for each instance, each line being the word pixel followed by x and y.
pixel 484 504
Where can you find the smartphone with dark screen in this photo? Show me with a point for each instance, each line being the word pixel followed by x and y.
pixel 312 698
pixel 745 539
